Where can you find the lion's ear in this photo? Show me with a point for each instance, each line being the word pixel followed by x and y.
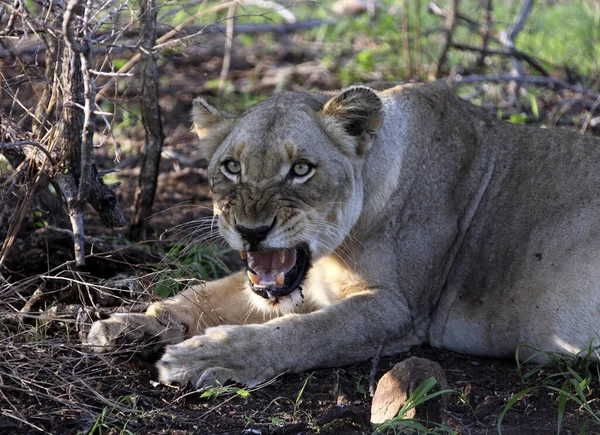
pixel 211 126
pixel 358 111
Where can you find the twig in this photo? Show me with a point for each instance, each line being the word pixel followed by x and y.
pixel 485 30
pixel 11 20
pixel 509 37
pixel 109 74
pixel 589 116
pixel 17 218
pixel 228 49
pixel 520 22
pixel 447 38
pixel 485 34
pixel 22 420
pixel 513 54
pixel 508 40
pixel 35 298
pixel 405 39
pixel 417 33
pixel 190 31
pixel 375 365
pixel 535 80
pixel 435 9
pixel 169 35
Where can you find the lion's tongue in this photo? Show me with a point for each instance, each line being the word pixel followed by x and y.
pixel 268 269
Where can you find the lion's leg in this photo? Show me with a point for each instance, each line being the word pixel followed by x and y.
pixel 347 331
pixel 177 318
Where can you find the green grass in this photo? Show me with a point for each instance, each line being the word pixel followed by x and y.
pixel 403 423
pixel 188 265
pixel 295 403
pixel 572 379
pixel 106 423
pixel 220 390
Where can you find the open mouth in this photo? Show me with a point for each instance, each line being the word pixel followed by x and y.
pixel 273 274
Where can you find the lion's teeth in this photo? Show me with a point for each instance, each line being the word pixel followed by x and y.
pixel 254 278
pixel 282 256
pixel 243 255
pixel 280 278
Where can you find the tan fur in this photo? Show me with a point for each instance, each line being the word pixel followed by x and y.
pixel 427 221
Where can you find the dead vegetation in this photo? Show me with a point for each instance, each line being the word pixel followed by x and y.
pixel 62 140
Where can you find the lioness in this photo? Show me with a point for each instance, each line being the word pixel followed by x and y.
pixel 402 213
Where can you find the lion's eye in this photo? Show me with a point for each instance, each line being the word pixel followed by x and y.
pixel 302 169
pixel 232 167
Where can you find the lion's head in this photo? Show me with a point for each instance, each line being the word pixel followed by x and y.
pixel 286 178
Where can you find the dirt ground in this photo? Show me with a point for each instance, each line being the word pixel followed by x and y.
pixel 50 383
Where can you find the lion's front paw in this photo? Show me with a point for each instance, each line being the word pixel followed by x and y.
pixel 132 332
pixel 224 353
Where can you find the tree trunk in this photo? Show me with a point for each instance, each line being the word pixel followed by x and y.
pixel 144 195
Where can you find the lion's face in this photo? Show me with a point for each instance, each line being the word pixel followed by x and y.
pixel 286 180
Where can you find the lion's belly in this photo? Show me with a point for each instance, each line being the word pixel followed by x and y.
pixel 548 298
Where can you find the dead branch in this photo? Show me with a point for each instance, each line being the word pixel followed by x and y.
pixel 68 188
pixel 375 365
pixel 550 82
pixel 485 31
pixel 11 20
pixel 35 299
pixel 228 48
pixel 417 33
pixel 508 38
pixel 405 39
pixel 27 143
pixel 30 48
pixel 89 93
pixel 447 37
pixel 168 36
pixel 72 121
pixel 514 54
pixel 485 34
pixel 144 195
pixel 104 202
pixel 588 119
pixel 17 218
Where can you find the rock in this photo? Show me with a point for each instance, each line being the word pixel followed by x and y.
pixel 396 386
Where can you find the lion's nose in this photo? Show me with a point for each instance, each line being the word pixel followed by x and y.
pixel 254 235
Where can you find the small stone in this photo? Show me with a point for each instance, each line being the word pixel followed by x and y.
pixel 396 386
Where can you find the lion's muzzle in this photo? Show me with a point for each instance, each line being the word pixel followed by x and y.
pixel 277 273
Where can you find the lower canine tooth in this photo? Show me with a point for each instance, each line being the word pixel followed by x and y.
pixel 254 278
pixel 243 255
pixel 280 278
pixel 282 256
